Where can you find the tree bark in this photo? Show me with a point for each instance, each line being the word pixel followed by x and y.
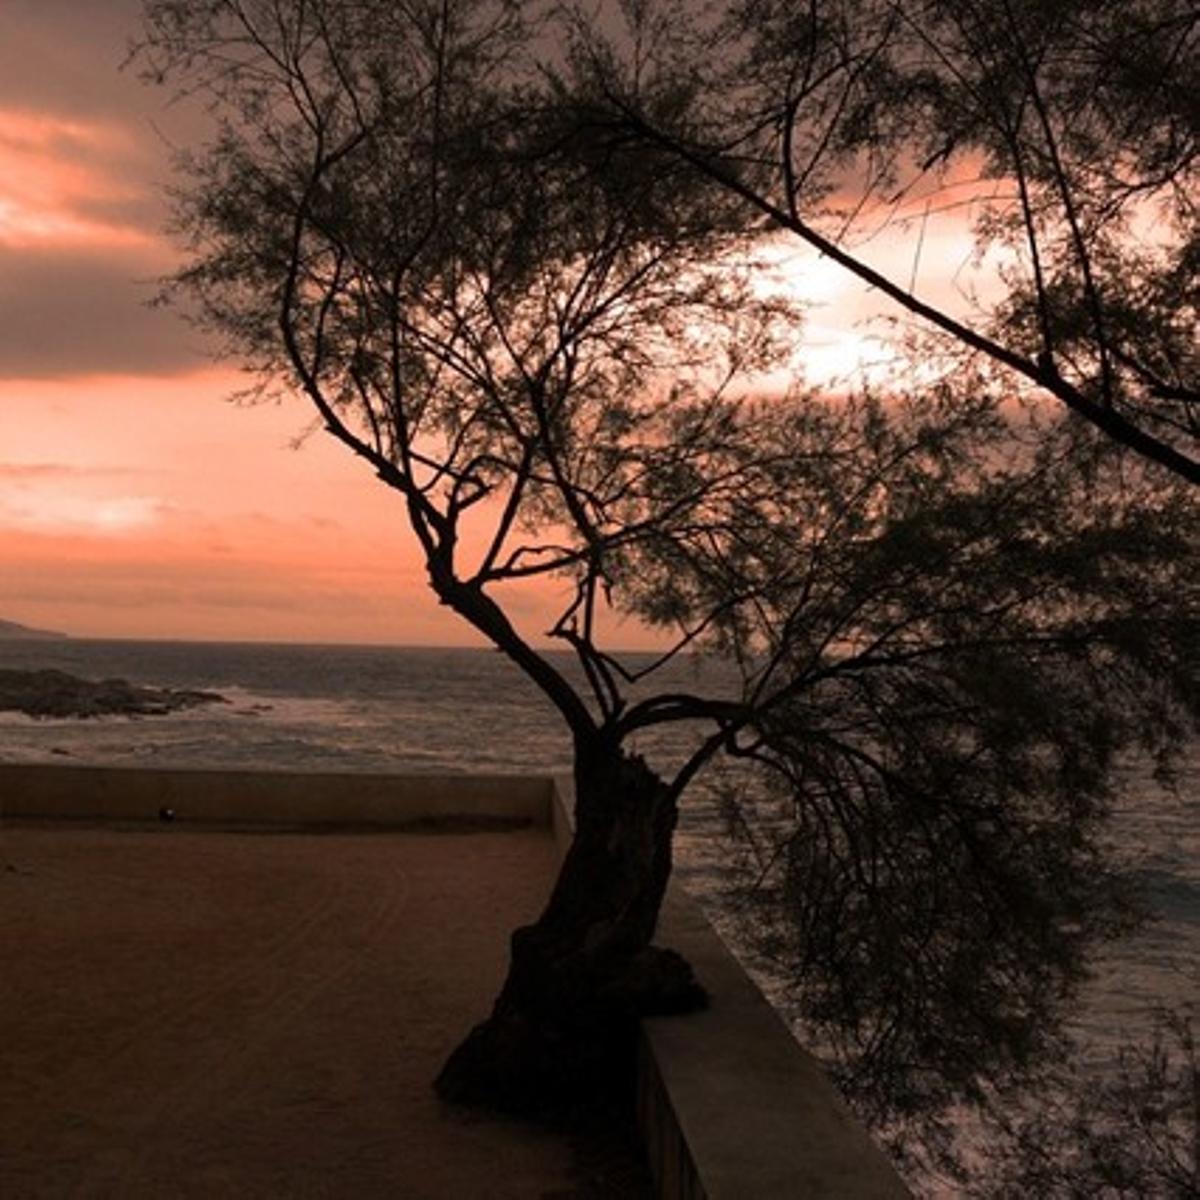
pixel 562 1033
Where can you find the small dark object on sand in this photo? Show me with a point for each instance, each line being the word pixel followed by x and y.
pixel 166 814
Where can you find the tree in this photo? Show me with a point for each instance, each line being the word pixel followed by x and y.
pixel 1132 1135
pixel 1072 124
pixel 942 630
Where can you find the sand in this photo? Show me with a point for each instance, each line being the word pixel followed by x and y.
pixel 189 1013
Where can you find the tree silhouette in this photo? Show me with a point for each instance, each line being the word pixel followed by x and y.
pixel 1067 130
pixel 941 630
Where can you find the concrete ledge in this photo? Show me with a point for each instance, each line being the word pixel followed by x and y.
pixel 267 797
pixel 729 1105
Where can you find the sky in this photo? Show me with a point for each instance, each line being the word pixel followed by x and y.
pixel 137 500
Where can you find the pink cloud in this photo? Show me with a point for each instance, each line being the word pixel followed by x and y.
pixel 55 173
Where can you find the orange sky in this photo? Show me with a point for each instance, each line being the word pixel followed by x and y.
pixel 135 500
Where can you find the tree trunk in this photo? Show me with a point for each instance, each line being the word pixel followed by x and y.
pixel 562 1033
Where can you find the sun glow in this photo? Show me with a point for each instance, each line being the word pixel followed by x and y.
pixel 55 508
pixel 851 332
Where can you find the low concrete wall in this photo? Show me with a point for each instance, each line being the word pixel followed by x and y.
pixel 730 1107
pixel 267 797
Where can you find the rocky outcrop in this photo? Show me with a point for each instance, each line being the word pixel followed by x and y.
pixel 50 693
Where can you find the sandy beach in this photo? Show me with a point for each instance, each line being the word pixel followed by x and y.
pixel 189 1013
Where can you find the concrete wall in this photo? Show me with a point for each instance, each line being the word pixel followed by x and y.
pixel 267 797
pixel 730 1107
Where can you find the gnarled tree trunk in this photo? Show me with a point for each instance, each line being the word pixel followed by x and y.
pixel 563 1029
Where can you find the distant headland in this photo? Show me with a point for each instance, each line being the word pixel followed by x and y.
pixel 12 631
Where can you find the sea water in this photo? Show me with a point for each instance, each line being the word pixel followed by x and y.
pixel 357 708
pixel 335 708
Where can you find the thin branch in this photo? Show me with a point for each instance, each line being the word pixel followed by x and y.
pixel 1044 375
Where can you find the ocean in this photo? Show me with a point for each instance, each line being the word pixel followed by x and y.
pixel 303 708
pixel 359 708
pixel 332 708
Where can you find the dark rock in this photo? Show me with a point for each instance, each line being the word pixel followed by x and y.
pixel 51 693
